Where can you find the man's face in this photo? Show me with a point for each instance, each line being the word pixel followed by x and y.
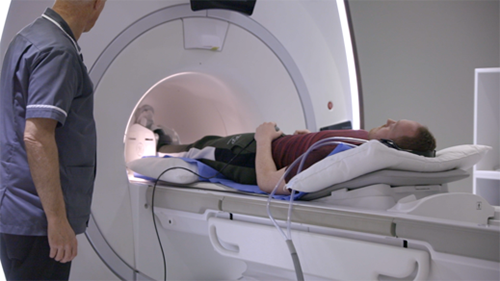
pixel 394 129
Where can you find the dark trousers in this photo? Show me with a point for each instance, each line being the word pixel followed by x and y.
pixel 234 156
pixel 27 258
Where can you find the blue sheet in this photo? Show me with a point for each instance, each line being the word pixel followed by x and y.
pixel 208 174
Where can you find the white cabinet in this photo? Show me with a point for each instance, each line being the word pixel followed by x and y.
pixel 486 173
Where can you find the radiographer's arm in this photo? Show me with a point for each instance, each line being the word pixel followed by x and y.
pixel 41 149
pixel 265 168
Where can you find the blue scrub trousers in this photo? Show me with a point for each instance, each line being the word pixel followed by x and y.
pixel 27 258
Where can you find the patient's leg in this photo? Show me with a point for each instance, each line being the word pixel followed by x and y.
pixel 233 156
pixel 173 148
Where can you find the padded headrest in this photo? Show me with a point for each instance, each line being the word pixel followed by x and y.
pixel 373 156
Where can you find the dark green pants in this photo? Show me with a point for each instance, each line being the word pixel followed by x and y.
pixel 234 156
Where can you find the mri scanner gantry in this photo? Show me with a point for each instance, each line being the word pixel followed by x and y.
pixel 213 72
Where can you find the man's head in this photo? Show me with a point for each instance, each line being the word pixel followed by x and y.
pixel 96 7
pixel 406 134
pixel 81 15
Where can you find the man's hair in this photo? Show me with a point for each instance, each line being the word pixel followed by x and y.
pixel 422 141
pixel 75 2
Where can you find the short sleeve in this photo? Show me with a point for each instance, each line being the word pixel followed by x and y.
pixel 53 84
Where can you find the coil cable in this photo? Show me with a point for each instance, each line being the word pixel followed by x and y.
pixel 300 161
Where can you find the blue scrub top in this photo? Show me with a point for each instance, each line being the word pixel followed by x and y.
pixel 43 76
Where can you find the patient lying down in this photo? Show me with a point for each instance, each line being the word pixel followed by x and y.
pixel 261 158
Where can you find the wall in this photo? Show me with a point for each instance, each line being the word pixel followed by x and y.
pixel 15 23
pixel 417 61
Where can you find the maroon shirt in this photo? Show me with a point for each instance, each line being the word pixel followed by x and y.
pixel 289 147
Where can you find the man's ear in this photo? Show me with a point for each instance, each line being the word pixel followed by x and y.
pixel 98 3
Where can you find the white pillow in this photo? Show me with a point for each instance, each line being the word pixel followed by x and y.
pixel 153 166
pixel 373 156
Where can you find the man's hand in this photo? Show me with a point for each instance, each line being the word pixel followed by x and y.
pixel 302 132
pixel 267 132
pixel 62 241
pixel 265 168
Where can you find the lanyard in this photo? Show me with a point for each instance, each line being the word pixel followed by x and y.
pixel 60 27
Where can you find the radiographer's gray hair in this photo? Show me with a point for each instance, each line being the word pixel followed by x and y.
pixel 76 2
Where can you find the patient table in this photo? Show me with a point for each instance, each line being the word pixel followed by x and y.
pixel 386 224
pixel 332 242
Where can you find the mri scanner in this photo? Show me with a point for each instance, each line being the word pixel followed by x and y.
pixel 223 72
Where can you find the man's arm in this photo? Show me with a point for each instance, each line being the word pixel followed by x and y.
pixel 265 168
pixel 43 160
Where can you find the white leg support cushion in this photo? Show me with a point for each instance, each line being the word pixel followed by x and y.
pixel 174 170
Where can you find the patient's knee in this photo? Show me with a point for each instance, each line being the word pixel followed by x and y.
pixel 173 148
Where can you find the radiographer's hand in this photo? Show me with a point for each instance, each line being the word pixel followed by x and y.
pixel 267 132
pixel 62 240
pixel 43 160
